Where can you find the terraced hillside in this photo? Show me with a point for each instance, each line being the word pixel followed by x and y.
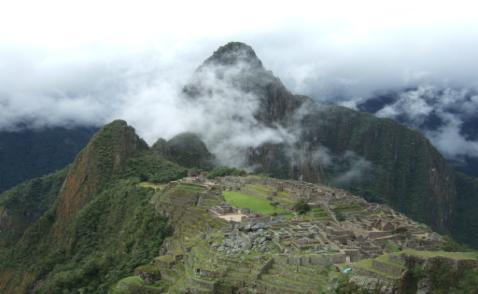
pixel 224 244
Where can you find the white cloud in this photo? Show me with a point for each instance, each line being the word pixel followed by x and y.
pixel 449 140
pixel 451 107
pixel 70 62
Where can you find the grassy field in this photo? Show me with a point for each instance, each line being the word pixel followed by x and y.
pixel 264 191
pixel 155 187
pixel 255 204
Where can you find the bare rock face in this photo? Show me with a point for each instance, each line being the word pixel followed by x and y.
pixel 104 156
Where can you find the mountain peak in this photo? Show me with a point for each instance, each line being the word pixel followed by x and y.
pixel 236 66
pixel 96 164
pixel 234 53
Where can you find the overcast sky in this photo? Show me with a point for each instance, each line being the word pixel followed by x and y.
pixel 69 62
pixel 316 47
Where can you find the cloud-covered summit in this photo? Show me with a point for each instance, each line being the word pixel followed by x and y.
pixel 234 53
pixel 91 85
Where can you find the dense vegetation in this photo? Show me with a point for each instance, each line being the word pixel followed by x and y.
pixel 465 223
pixel 113 234
pixel 440 277
pixel 27 154
pixel 185 149
pixel 24 204
pixel 222 171
pixel 301 207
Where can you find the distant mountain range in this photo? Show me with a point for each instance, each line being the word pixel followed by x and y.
pixel 27 153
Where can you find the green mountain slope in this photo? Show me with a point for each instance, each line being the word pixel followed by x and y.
pixel 408 172
pixel 24 204
pixel 26 154
pixel 186 149
pixel 465 221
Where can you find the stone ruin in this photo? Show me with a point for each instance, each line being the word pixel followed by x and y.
pixel 365 232
pixel 231 214
pixel 286 249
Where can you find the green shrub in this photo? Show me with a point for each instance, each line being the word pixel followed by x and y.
pixel 225 171
pixel 451 245
pixel 301 207
pixel 340 216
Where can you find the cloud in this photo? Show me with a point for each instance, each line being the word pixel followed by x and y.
pixel 355 168
pixel 343 169
pixel 219 109
pixel 133 64
pixel 445 115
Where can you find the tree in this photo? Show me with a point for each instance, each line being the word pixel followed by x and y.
pixel 301 207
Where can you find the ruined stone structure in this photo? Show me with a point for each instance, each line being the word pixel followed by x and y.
pixel 217 247
pixel 365 230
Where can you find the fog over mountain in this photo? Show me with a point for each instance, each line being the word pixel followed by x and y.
pixel 447 116
pixel 71 75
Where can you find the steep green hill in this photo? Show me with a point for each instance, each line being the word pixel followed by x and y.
pixel 185 149
pixel 94 230
pixel 406 171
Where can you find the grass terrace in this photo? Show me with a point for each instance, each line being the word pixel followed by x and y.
pixel 346 207
pixel 151 185
pixel 315 213
pixel 254 203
